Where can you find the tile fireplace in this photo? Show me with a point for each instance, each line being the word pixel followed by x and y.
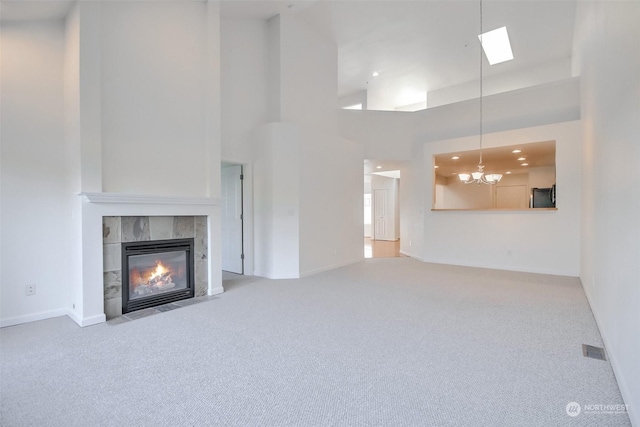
pixel 156 272
pixel 152 260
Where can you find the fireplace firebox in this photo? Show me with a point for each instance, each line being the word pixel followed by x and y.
pixel 156 272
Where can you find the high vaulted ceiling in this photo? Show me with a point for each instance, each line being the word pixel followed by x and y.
pixel 426 45
pixel 434 44
pixel 417 45
pixel 27 10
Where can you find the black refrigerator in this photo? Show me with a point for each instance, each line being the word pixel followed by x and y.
pixel 543 197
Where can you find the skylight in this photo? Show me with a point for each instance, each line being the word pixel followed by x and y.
pixel 496 45
pixel 353 107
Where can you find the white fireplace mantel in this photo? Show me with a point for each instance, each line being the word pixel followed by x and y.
pixel 89 309
pixel 124 198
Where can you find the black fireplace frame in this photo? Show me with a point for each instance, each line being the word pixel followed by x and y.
pixel 151 247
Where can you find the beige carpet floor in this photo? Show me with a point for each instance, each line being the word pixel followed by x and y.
pixel 385 342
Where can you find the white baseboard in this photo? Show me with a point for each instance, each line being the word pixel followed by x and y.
pixel 75 317
pixel 87 321
pixel 632 411
pixel 273 276
pixel 94 320
pixel 18 320
pixel 259 273
pixel 330 267
pixel 505 268
pixel 216 291
pixel 409 254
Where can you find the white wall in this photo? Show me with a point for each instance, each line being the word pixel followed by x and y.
pixel 533 106
pixel 274 110
pixel 154 61
pixel 553 71
pixel 331 185
pixel 391 135
pixel 414 201
pixel 276 186
pixel 541 242
pixel 244 84
pixel 608 46
pixel 123 94
pixel 367 213
pixel 401 136
pixel 542 177
pixel 519 179
pixel 308 76
pixel 458 195
pixel 244 94
pixel 34 211
pixel 384 134
pixel 73 158
pixel 307 181
pixel 359 97
pixel 83 146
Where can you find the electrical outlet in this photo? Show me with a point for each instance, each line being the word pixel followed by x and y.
pixel 30 289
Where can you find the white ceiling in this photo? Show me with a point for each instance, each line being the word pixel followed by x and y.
pixel 262 9
pixel 434 44
pixel 27 10
pixel 371 165
pixel 425 45
pixel 498 160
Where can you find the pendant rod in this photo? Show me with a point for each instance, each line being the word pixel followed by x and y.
pixel 481 81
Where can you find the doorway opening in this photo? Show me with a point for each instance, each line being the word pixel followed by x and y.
pixel 381 208
pixel 232 216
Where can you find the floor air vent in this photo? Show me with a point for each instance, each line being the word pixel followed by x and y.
pixel 593 352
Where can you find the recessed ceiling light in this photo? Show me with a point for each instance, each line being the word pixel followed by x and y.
pixel 508 172
pixel 521 159
pixel 455 158
pixel 436 166
pixel 517 151
pixel 375 74
pixel 378 167
pixel 525 164
pixel 496 45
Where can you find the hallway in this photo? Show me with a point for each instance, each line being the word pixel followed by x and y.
pixel 381 248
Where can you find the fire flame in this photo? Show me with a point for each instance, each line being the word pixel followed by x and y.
pixel 159 271
pixel 152 280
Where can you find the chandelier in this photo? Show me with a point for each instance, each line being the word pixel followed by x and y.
pixel 479 177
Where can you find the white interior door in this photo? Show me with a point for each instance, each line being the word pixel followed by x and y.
pixel 511 197
pixel 380 214
pixel 232 254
